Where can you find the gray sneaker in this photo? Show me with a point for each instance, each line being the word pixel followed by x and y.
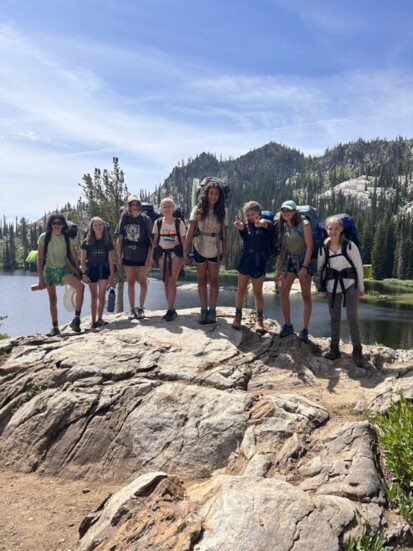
pixel 140 313
pixel 132 314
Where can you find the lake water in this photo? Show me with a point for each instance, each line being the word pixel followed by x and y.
pixel 28 312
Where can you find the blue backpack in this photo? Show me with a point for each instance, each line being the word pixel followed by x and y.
pixel 311 214
pixel 273 246
pixel 349 228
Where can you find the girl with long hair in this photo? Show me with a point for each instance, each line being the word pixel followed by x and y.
pixel 252 262
pixel 97 267
pixel 208 232
pixel 133 245
pixel 56 253
pixel 296 251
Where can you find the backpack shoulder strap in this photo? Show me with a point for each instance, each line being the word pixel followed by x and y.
pixel 67 239
pixel 47 239
pixel 158 223
pixel 346 246
pixel 177 229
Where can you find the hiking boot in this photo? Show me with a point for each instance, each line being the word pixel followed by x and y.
pixel 140 313
pixel 101 322
pixel 303 335
pixel 54 331
pixel 75 324
pixel 93 325
pixel 259 325
pixel 170 315
pixel 212 316
pixel 236 324
pixel 203 318
pixel 334 352
pixel 357 356
pixel 287 329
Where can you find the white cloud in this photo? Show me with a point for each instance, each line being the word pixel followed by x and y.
pixel 59 118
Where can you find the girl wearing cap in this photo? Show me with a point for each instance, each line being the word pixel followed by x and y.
pixel 296 250
pixel 53 268
pixel 97 267
pixel 208 228
pixel 133 247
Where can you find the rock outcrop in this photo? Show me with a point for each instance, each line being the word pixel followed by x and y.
pixel 223 439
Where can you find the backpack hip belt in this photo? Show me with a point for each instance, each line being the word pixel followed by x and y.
pixel 338 277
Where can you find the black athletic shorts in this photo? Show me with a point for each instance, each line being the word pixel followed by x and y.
pixel 95 273
pixel 199 259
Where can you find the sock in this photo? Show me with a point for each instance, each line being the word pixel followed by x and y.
pixel 260 313
pixel 55 323
pixel 238 310
pixel 77 313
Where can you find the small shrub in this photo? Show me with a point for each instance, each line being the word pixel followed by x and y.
pixel 368 541
pixel 395 435
pixel 33 388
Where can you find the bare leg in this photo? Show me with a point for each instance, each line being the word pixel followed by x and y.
pixel 131 280
pixel 143 282
pixel 102 285
pixel 213 273
pixel 93 288
pixel 241 290
pixel 51 290
pixel 287 283
pixel 305 283
pixel 201 270
pixel 170 282
pixel 257 284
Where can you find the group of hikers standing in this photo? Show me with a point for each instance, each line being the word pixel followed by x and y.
pixel 140 243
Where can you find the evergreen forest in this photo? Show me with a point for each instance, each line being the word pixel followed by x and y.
pixel 372 181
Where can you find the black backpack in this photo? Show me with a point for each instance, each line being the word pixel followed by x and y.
pixel 220 181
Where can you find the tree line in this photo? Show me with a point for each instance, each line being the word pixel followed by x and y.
pixel 268 175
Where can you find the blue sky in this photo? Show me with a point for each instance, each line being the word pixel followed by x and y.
pixel 154 82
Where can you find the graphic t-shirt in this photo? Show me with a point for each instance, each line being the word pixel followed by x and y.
pixel 168 238
pixel 208 242
pixel 56 250
pixel 97 252
pixel 136 232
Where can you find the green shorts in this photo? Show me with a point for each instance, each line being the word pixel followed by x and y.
pixel 54 276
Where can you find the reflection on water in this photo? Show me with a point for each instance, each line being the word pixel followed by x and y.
pixel 28 312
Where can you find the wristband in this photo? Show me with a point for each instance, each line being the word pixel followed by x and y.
pixel 306 267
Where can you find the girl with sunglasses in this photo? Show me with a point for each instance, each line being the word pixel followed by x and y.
pixel 56 251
